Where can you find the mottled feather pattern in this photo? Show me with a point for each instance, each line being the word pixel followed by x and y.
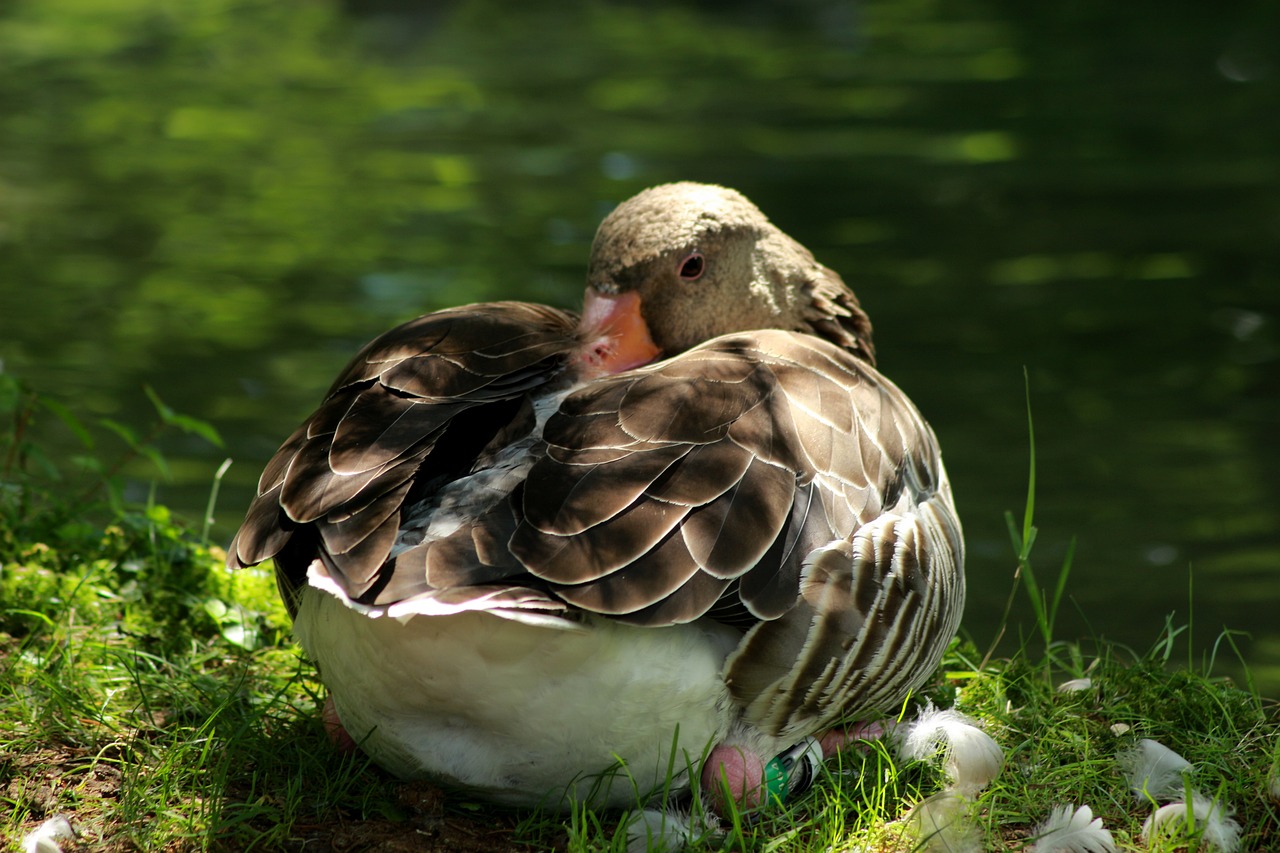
pixel 349 469
pixel 659 495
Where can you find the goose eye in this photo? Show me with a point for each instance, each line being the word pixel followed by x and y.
pixel 692 266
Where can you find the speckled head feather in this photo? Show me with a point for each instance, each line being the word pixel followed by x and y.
pixel 660 219
pixel 755 277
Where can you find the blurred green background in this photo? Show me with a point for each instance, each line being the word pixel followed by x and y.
pixel 224 198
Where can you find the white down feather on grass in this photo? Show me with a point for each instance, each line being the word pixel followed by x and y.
pixel 656 831
pixel 945 825
pixel 48 837
pixel 971 759
pixel 1072 830
pixel 1153 771
pixel 1215 828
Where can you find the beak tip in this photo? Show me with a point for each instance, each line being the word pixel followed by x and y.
pixel 615 331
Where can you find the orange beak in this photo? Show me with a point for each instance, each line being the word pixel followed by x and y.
pixel 615 335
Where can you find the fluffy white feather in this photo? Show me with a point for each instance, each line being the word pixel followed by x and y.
pixel 1153 771
pixel 47 837
pixel 656 831
pixel 1075 684
pixel 1069 830
pixel 972 759
pixel 1213 824
pixel 944 825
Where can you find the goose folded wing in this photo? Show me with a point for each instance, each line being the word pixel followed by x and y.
pixel 411 410
pixel 726 464
pixel 769 480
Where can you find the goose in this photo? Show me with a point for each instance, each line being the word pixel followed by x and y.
pixel 550 558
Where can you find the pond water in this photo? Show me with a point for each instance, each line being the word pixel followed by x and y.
pixel 223 199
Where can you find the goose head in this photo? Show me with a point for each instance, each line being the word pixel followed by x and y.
pixel 680 264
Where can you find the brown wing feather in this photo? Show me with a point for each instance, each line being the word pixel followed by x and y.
pixel 727 431
pixel 408 410
pixel 732 533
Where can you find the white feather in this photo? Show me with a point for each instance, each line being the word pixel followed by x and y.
pixel 47 837
pixel 656 831
pixel 1069 830
pixel 944 825
pixel 1214 825
pixel 1154 771
pixel 972 758
pixel 1075 684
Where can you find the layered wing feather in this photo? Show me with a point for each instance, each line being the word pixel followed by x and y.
pixel 412 410
pixel 769 479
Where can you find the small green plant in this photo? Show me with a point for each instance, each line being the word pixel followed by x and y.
pixel 38 489
pixel 1044 607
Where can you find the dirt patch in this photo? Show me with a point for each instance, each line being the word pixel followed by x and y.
pixel 456 834
pixel 68 780
pixel 47 778
pixel 429 828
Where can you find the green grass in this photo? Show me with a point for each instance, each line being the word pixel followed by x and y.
pixel 158 701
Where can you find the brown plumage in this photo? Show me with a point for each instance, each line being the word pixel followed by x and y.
pixel 760 480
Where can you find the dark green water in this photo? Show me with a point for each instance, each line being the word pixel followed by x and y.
pixel 223 199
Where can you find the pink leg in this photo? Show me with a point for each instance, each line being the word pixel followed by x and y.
pixel 837 740
pixel 334 729
pixel 731 774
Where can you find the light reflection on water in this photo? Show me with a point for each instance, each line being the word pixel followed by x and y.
pixel 224 202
